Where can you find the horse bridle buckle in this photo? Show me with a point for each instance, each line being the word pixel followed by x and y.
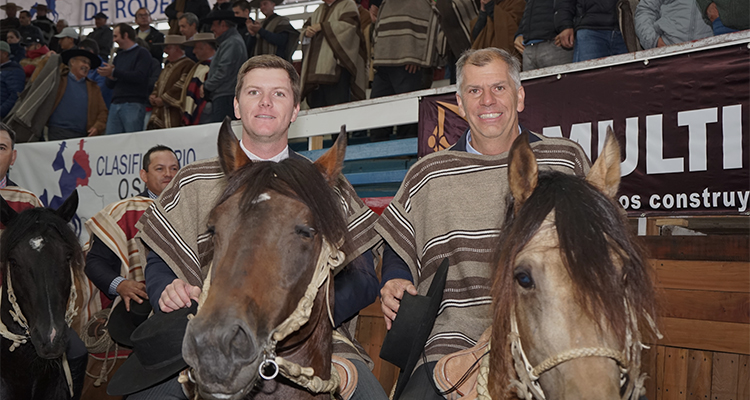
pixel 269 362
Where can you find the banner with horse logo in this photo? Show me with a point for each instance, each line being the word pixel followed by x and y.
pixel 681 120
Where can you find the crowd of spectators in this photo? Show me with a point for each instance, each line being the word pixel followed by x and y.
pixel 390 46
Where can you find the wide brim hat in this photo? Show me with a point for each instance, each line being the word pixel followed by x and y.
pixel 200 37
pixel 172 39
pixel 95 63
pixel 157 352
pixel 404 343
pixel 101 15
pixel 11 4
pixel 121 322
pixel 40 7
pixel 256 3
pixel 222 15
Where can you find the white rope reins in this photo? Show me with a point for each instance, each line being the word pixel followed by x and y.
pixel 20 319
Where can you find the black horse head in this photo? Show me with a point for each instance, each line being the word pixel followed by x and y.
pixel 39 254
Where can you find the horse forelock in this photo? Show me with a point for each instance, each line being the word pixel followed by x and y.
pixel 294 178
pixel 603 261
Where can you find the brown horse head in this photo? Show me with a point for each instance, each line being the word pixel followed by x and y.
pixel 268 229
pixel 40 254
pixel 569 270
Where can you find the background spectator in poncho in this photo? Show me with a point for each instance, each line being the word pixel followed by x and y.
pixel 275 35
pixel 193 104
pixel 167 93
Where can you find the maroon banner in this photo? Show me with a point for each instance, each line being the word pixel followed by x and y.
pixel 681 120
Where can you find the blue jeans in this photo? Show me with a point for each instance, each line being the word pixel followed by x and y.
pixel 125 117
pixel 591 44
pixel 720 29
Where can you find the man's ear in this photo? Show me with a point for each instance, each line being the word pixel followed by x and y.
pixel 144 176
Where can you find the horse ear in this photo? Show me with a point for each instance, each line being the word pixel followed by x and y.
pixel 68 208
pixel 605 173
pixel 231 156
pixel 7 214
pixel 331 163
pixel 522 171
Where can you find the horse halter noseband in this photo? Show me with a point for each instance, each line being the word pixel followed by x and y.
pixel 629 361
pixel 329 258
pixel 21 320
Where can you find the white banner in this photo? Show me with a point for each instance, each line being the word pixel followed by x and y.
pixel 81 12
pixel 103 169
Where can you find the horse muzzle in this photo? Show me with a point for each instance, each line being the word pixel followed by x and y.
pixel 51 345
pixel 224 357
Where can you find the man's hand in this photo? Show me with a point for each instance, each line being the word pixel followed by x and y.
pixel 201 93
pixel 152 99
pixel 390 298
pixel 253 27
pixel 158 102
pixel 177 295
pixel 412 68
pixel 712 12
pixel 518 43
pixel 312 30
pixel 132 290
pixel 483 5
pixel 660 42
pixel 565 38
pixel 106 70
pixel 93 131
pixel 374 13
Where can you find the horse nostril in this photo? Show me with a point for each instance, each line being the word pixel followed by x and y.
pixel 240 342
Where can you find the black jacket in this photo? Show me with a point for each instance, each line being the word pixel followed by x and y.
pixel 154 36
pixel 538 21
pixel 586 14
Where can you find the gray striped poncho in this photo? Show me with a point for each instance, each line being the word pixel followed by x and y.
pixel 453 204
pixel 175 226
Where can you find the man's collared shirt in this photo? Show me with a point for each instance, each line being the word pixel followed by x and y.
pixel 471 150
pixel 277 158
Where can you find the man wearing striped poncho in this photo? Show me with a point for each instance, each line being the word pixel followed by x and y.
pixel 453 203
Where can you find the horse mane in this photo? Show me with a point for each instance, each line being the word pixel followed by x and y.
pixel 37 221
pixel 603 258
pixel 298 179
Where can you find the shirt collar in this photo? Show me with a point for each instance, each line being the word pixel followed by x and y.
pixel 278 157
pixel 151 195
pixel 4 182
pixel 73 77
pixel 470 149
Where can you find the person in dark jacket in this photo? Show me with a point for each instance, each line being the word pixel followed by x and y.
pixel 177 9
pixel 725 16
pixel 17 49
pixel 26 28
pixel 10 21
pixel 150 34
pixel 12 80
pixel 42 22
pixel 275 34
pixel 535 38
pixel 128 78
pixel 102 35
pixel 590 27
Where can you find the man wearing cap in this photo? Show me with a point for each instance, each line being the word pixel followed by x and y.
pixel 127 76
pixel 113 263
pixel 67 39
pixel 36 54
pixel 222 75
pixel 42 22
pixel 275 35
pixel 12 80
pixel 165 99
pixel 333 64
pixel 204 48
pixel 10 21
pixel 148 33
pixel 102 35
pixel 69 119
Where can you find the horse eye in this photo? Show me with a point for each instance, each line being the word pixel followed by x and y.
pixel 304 231
pixel 524 280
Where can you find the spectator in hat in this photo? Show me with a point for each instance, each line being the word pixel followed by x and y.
pixel 148 33
pixel 91 46
pixel 17 50
pixel 127 76
pixel 193 104
pixel 188 24
pixel 178 8
pixel 36 54
pixel 222 5
pixel 241 9
pixel 275 35
pixel 69 118
pixel 222 75
pixel 102 35
pixel 25 27
pixel 67 39
pixel 166 96
pixel 46 25
pixel 10 21
pixel 12 80
pixel 54 42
